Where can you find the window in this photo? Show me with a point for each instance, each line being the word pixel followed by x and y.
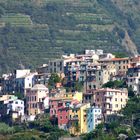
pixel 121 99
pixel 115 99
pixel 89 86
pixel 16 102
pixel 61 117
pixel 116 105
pixel 32 98
pixel 54 63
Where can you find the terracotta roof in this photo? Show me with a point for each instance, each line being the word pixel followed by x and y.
pixel 109 89
pixel 115 59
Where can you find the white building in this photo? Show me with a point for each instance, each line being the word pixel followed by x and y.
pixel 21 73
pixel 25 82
pixel 16 106
pixel 46 102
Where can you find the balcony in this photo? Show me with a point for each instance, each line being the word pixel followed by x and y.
pixel 108 96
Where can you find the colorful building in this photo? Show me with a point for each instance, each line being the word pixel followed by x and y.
pixel 63 118
pixel 77 119
pixel 111 101
pixel 58 103
pixel 121 64
pixel 75 95
pixel 35 99
pixel 94 117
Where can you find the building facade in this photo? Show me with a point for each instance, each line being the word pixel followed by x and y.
pixel 35 99
pixel 94 117
pixel 133 79
pixel 56 66
pixel 111 101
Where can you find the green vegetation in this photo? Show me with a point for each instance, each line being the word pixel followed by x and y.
pixel 40 129
pixel 54 79
pixel 115 84
pixel 120 55
pixel 34 31
pixel 16 19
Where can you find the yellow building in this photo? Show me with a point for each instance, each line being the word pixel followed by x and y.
pixel 75 96
pixel 77 119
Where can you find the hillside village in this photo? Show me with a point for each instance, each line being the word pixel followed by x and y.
pixel 75 91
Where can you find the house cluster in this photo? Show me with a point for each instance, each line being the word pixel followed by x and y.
pixel 75 111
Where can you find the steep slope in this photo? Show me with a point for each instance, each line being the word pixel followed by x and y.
pixel 33 31
pixel 130 9
pixel 129 44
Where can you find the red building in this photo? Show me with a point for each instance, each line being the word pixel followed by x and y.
pixel 58 103
pixel 63 117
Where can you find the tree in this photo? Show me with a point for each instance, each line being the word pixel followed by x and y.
pixel 130 92
pixel 19 95
pixel 120 55
pixel 115 84
pixel 54 79
pixel 5 129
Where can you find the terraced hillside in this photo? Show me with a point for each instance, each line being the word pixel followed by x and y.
pixel 33 31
